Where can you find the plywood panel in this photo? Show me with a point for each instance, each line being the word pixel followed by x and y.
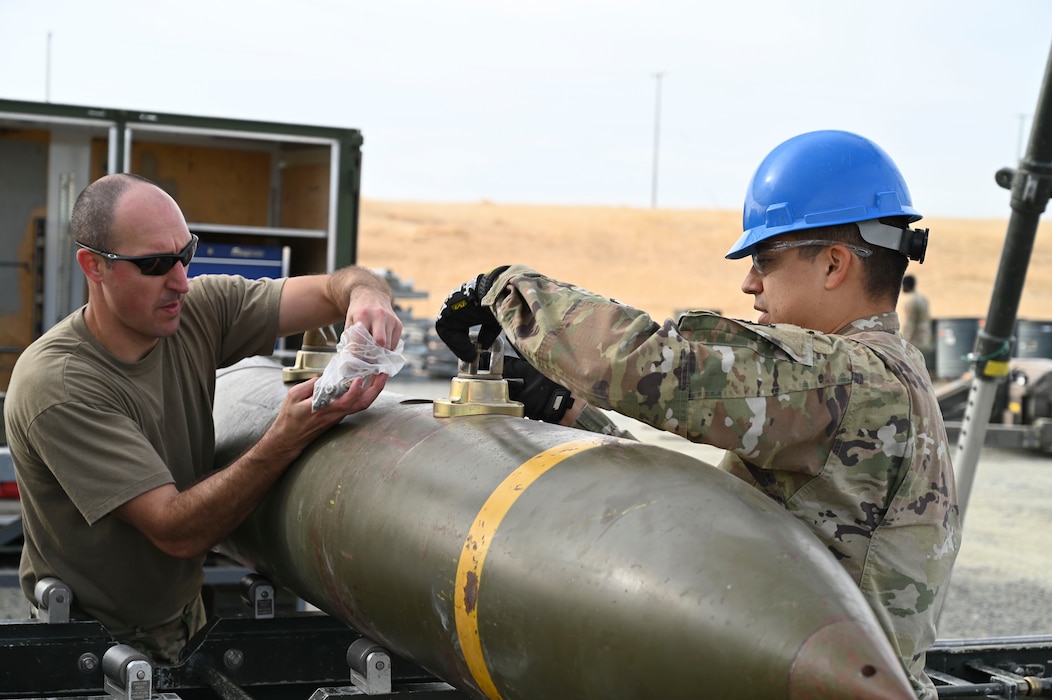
pixel 99 165
pixel 211 185
pixel 39 135
pixel 18 327
pixel 305 196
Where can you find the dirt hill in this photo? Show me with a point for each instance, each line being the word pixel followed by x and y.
pixel 659 260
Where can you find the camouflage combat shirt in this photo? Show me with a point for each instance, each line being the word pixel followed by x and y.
pixel 844 430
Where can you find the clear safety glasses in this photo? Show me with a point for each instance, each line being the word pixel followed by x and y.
pixel 763 258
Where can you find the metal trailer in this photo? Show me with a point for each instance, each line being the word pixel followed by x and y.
pixel 1020 414
pixel 311 656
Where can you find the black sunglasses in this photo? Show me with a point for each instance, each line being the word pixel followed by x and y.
pixel 152 265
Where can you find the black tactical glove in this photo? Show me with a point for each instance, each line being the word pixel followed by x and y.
pixel 463 309
pixel 542 398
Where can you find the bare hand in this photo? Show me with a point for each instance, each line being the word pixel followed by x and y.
pixel 297 424
pixel 373 310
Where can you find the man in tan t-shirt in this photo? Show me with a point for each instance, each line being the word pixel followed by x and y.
pixel 108 414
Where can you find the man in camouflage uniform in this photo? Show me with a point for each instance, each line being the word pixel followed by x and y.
pixel 821 404
pixel 915 313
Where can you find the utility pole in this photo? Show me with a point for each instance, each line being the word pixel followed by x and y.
pixel 47 71
pixel 657 140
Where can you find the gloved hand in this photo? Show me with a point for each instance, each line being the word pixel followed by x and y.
pixel 542 398
pixel 463 309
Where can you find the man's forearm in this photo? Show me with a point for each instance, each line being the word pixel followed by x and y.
pixel 189 523
pixel 348 294
pixel 350 283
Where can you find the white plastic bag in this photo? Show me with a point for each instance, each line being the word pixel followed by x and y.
pixel 357 355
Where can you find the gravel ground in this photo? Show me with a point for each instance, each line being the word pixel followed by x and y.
pixel 1000 585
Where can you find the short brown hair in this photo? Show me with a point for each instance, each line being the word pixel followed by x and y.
pixel 882 271
pixel 91 222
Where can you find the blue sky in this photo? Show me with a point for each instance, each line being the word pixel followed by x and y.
pixel 553 102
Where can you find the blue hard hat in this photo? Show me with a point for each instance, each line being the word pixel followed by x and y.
pixel 824 178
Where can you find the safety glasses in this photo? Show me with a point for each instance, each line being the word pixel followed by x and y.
pixel 762 260
pixel 152 265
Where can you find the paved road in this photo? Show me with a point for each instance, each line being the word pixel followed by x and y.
pixel 1001 585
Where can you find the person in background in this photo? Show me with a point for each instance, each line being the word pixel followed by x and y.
pixel 109 413
pixel 821 403
pixel 915 314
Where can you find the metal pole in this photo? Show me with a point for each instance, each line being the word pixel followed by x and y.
pixel 657 138
pixel 1019 141
pixel 1031 186
pixel 47 71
